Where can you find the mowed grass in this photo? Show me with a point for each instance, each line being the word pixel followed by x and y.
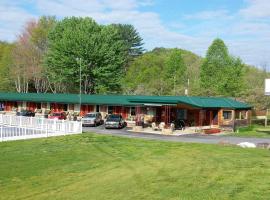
pixel 91 166
pixel 253 131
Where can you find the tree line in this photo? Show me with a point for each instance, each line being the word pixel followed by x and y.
pixel 51 55
pixel 48 56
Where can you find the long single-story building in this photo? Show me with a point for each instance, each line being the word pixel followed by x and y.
pixel 194 111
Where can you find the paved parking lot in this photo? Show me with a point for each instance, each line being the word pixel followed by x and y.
pixel 192 138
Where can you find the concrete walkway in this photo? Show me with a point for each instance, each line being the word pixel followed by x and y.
pixel 193 138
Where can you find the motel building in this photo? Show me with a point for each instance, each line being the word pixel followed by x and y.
pixel 194 111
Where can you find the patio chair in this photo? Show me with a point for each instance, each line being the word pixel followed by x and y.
pixel 172 126
pixel 161 125
pixel 154 127
pixel 180 124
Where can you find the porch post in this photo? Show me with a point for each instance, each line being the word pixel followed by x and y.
pixel 211 117
pixel 200 118
pixel 165 108
pixel 167 115
pixel 234 122
pixel 137 110
pixel 220 114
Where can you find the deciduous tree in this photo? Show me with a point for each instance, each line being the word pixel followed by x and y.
pixel 6 83
pixel 100 49
pixel 221 74
pixel 176 72
pixel 28 71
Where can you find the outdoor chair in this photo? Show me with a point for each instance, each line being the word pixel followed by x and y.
pixel 172 126
pixel 180 124
pixel 154 127
pixel 161 125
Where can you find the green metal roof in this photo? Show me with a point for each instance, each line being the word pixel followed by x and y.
pixel 200 102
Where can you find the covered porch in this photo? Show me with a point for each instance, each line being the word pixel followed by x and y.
pixel 181 117
pixel 177 114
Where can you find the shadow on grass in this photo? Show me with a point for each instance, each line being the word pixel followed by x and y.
pixel 263 131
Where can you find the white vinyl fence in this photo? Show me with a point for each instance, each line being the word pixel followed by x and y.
pixel 20 127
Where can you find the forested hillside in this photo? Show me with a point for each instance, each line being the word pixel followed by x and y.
pixel 50 56
pixel 147 75
pixel 150 74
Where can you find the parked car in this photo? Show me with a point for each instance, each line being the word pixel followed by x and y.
pixel 115 121
pixel 58 115
pixel 26 113
pixel 92 119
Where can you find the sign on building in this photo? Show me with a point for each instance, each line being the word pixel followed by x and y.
pixel 267 87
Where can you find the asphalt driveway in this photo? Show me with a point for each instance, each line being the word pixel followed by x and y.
pixel 193 138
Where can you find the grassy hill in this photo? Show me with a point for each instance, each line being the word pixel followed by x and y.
pixel 91 166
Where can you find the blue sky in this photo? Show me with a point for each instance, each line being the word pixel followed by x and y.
pixel 244 25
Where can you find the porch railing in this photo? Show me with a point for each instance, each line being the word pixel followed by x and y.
pixel 20 127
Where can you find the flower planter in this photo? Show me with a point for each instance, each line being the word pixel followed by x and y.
pixel 211 131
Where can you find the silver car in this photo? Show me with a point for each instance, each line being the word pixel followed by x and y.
pixel 115 121
pixel 92 119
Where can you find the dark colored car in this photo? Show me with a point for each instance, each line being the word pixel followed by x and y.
pixel 58 115
pixel 115 121
pixel 26 113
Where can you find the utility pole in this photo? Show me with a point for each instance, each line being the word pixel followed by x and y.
pixel 186 90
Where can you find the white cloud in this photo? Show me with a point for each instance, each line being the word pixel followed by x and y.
pixel 124 11
pixel 209 15
pixel 12 19
pixel 184 33
pixel 251 29
pixel 256 9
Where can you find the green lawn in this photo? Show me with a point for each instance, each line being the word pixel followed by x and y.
pixel 253 131
pixel 91 166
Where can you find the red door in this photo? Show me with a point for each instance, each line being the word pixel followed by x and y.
pixel 31 106
pixel 215 117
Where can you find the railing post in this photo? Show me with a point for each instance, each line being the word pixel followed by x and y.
pixel 20 120
pixel 47 129
pixel 42 124
pixel 80 127
pixel 65 128
pixel 54 123
pixel 25 132
pixel 1 132
pixel 31 122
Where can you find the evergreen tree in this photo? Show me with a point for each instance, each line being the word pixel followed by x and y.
pixel 131 38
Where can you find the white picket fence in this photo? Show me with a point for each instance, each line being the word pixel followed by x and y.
pixel 20 127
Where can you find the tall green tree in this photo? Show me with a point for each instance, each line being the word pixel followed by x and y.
pixel 133 42
pixel 176 72
pixel 221 74
pixel 99 48
pixel 6 83
pixel 232 82
pixel 132 39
